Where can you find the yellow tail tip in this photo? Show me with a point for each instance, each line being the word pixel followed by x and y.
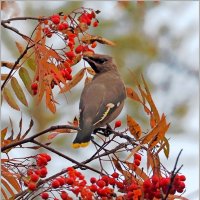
pixel 78 145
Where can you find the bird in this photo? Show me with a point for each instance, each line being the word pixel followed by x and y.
pixel 102 99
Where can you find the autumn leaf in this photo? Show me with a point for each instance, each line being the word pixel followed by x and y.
pixel 157 133
pixel 89 39
pixel 10 99
pixel 24 75
pixel 75 80
pixel 19 47
pixel 134 127
pixel 18 91
pixel 90 71
pixel 135 150
pixel 132 94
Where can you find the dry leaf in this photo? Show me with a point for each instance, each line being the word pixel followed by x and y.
pixel 134 127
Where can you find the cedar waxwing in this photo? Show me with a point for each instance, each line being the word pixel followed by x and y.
pixel 101 100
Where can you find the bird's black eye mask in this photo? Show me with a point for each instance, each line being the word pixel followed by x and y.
pixel 94 62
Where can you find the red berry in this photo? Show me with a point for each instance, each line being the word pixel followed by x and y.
pixel 79 49
pixel 69 181
pixel 65 25
pixel 155 179
pixel 118 123
pixel 55 184
pixel 45 195
pixel 70 55
pixel 64 195
pixel 179 190
pixel 181 185
pixel 115 175
pixel 93 188
pixel 158 194
pixel 120 185
pixel 55 19
pixel 60 27
pixel 43 172
pixel 69 77
pixel 95 24
pixel 76 191
pixel 101 183
pixel 61 180
pixel 165 181
pixel 32 186
pixel 70 169
pixel 137 162
pixel 34 92
pixel 93 180
pixel 47 156
pixel 29 172
pixel 34 86
pixel 182 178
pixel 38 172
pixel 41 161
pixel 111 181
pixel 147 183
pixel 106 179
pixel 137 156
pixel 34 177
pixel 69 70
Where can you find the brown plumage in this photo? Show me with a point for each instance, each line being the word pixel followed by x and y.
pixel 101 100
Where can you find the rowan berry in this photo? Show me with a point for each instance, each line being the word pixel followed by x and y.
pixel 55 183
pixel 137 162
pixel 147 183
pixel 55 19
pixel 93 180
pixel 64 195
pixel 70 55
pixel 181 185
pixel 179 190
pixel 34 86
pixel 29 172
pixel 93 188
pixel 118 123
pixel 43 172
pixel 155 179
pixel 101 183
pixel 182 178
pixel 60 27
pixel 120 185
pixel 69 181
pixel 47 156
pixel 65 25
pixel 69 70
pixel 115 175
pixel 105 179
pixel 137 156
pixel 61 180
pixel 79 49
pixel 158 194
pixel 32 186
pixel 34 177
pixel 45 195
pixel 94 44
pixel 69 77
pixel 95 24
pixel 70 169
pixel 41 161
pixel 111 181
pixel 76 191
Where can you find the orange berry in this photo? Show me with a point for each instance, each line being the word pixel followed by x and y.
pixel 94 44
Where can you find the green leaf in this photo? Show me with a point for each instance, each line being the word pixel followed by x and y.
pixel 24 75
pixel 10 99
pixel 31 64
pixel 18 91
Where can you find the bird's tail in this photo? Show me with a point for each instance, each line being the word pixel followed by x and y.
pixel 82 139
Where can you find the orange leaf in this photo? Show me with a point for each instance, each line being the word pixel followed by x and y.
pixel 117 165
pixel 7 186
pixel 134 127
pixel 60 131
pixel 10 178
pixel 49 102
pixel 75 80
pixel 137 170
pixel 19 47
pixel 3 133
pixel 151 102
pixel 4 194
pixel 132 94
pixel 90 71
pixel 161 128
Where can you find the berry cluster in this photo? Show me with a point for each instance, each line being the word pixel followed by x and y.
pixel 158 186
pixel 40 171
pixel 69 28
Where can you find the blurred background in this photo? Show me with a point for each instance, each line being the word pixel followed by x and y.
pixel 157 39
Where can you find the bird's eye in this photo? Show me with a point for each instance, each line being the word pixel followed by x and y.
pixel 100 61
